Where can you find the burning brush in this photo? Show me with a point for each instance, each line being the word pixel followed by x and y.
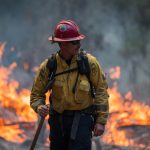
pixel 128 124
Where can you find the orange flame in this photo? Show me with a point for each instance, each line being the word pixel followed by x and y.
pixel 2 45
pixel 115 72
pixel 14 106
pixel 13 134
pixel 124 111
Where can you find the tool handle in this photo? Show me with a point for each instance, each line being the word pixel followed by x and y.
pixel 37 133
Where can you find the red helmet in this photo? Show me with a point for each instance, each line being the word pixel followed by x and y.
pixel 66 30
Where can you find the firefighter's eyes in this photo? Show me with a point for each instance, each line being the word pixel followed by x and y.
pixel 77 42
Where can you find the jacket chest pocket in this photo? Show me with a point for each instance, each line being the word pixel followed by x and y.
pixel 83 91
pixel 58 90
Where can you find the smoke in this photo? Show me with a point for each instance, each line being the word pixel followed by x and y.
pixel 116 33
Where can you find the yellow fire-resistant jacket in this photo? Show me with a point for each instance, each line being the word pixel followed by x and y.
pixel 62 96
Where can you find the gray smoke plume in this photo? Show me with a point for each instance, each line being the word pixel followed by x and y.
pixel 117 33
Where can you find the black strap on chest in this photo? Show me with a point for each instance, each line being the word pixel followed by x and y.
pixel 83 69
pixel 52 66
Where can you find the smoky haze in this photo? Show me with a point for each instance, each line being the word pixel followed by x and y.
pixel 117 33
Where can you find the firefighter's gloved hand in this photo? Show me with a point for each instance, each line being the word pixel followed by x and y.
pixel 43 110
pixel 98 129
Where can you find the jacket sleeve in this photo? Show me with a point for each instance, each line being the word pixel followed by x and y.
pixel 37 96
pixel 100 84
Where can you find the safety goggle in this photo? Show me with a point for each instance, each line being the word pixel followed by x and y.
pixel 77 42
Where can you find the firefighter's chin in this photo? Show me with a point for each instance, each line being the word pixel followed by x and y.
pixel 76 50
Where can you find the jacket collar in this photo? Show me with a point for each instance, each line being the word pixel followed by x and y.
pixel 63 62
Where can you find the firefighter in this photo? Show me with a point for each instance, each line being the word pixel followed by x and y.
pixel 79 98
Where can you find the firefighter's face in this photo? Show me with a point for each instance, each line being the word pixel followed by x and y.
pixel 71 47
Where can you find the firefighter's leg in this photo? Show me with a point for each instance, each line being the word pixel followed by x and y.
pixel 57 139
pixel 84 134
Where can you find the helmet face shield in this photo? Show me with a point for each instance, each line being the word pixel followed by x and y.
pixel 66 30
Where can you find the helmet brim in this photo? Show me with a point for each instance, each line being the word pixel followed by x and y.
pixel 53 39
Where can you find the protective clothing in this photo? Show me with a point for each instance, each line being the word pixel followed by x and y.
pixel 66 30
pixel 83 137
pixel 63 98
